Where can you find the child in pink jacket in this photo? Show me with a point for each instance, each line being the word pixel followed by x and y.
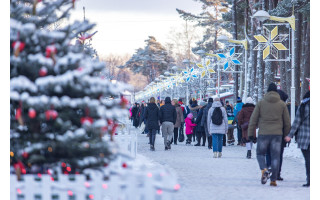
pixel 189 127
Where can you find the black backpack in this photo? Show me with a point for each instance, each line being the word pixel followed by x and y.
pixel 217 116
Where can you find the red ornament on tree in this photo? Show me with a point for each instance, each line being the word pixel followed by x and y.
pixel 17 47
pixel 51 51
pixel 124 165
pixel 86 120
pixel 25 155
pixel 51 114
pixel 18 113
pixel 32 113
pixel 124 102
pixel 43 71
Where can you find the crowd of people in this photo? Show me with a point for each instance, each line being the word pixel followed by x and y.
pixel 215 121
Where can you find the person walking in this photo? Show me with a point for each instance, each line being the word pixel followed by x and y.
pixel 183 107
pixel 152 116
pixel 200 132
pixel 135 111
pixel 230 115
pixel 189 128
pixel 168 116
pixel 283 97
pixel 217 126
pixel 194 109
pixel 272 118
pixel 301 130
pixel 204 122
pixel 243 120
pixel 236 110
pixel 179 121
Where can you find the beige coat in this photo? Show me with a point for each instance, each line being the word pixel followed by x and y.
pixel 180 118
pixel 271 116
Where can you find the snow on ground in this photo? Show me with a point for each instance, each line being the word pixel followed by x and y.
pixel 231 177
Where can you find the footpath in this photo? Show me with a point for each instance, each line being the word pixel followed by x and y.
pixel 231 177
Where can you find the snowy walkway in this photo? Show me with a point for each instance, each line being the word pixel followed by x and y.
pixel 231 177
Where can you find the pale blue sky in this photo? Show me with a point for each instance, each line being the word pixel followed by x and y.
pixel 123 25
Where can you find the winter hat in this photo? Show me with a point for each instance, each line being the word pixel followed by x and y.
pixel 190 115
pixel 249 100
pixel 202 103
pixel 210 100
pixel 272 87
pixel 239 100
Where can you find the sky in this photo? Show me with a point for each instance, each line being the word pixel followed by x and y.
pixel 124 25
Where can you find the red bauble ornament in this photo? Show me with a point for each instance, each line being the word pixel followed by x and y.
pixel 25 155
pixel 124 102
pixel 50 50
pixel 17 47
pixel 86 119
pixel 51 114
pixel 124 165
pixel 43 71
pixel 18 113
pixel 32 113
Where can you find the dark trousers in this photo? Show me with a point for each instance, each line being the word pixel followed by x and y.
pixel 268 158
pixel 175 135
pixel 272 142
pixel 210 141
pixel 152 136
pixel 181 128
pixel 201 134
pixel 306 155
pixel 189 137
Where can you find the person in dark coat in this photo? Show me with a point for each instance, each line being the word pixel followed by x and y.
pixel 301 130
pixel 168 116
pixel 243 120
pixel 141 114
pixel 283 97
pixel 204 122
pixel 194 109
pixel 179 121
pixel 152 115
pixel 135 111
pixel 200 132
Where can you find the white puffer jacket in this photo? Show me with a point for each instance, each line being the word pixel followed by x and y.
pixel 220 129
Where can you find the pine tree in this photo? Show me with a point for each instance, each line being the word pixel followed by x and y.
pixel 152 60
pixel 58 110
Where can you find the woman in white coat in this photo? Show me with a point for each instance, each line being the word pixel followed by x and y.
pixel 217 127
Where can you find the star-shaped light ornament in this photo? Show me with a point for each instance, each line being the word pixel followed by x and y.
pixel 205 69
pixel 229 59
pixel 189 74
pixel 270 42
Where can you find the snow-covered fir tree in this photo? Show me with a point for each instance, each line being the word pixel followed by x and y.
pixel 152 60
pixel 58 110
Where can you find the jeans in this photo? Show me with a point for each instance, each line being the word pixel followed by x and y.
pixel 306 155
pixel 272 142
pixel 217 140
pixel 268 159
pixel 239 134
pixel 152 136
pixel 167 131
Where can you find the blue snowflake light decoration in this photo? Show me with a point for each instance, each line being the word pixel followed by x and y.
pixel 229 59
pixel 189 74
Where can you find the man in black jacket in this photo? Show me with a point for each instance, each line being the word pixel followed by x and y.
pixel 168 116
pixel 152 117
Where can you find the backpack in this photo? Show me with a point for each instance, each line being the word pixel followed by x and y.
pixel 216 116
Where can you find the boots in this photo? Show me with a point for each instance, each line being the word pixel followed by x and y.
pixel 215 154
pixel 152 147
pixel 219 154
pixel 249 154
pixel 273 183
pixel 264 176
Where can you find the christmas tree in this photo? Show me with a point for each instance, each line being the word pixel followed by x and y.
pixel 59 112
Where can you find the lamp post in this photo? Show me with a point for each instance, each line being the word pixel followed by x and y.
pixel 201 53
pixel 187 63
pixel 262 15
pixel 244 42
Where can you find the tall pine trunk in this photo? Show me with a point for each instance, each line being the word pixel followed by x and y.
pixel 234 35
pixel 297 59
pixel 306 61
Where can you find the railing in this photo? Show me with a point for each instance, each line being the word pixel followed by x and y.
pixel 126 139
pixel 125 182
